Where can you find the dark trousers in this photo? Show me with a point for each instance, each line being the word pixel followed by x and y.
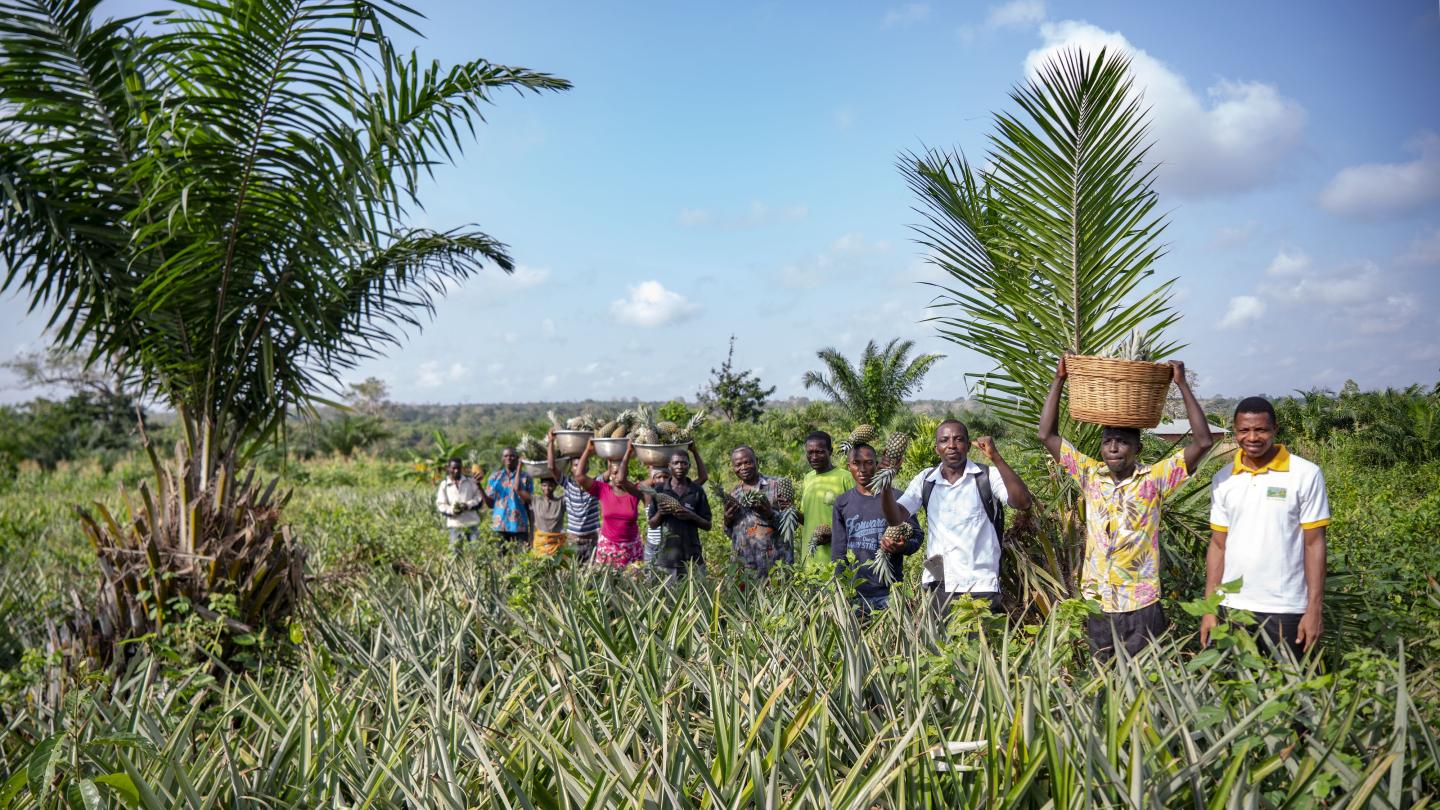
pixel 1133 629
pixel 1276 633
pixel 584 545
pixel 941 602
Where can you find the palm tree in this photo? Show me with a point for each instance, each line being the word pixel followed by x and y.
pixel 214 197
pixel 1051 247
pixel 873 390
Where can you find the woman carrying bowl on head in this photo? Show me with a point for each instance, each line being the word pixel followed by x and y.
pixel 619 544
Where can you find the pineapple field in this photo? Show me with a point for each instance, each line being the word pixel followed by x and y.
pixel 409 680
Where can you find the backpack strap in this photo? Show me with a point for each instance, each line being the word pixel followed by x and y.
pixel 994 510
pixel 927 488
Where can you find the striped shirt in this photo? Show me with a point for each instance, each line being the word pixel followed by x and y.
pixel 582 511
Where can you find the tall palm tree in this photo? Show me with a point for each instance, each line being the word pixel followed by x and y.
pixel 874 389
pixel 1052 247
pixel 215 197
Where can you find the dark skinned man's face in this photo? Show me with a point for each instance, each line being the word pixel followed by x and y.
pixel 817 453
pixel 1255 433
pixel 1118 450
pixel 952 445
pixel 862 466
pixel 454 470
pixel 679 466
pixel 742 463
pixel 510 458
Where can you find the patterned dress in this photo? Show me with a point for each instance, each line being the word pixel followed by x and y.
pixel 509 515
pixel 755 542
pixel 1122 527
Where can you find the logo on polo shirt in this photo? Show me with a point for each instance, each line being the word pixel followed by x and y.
pixel 1275 493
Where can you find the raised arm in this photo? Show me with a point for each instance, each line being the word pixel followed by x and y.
pixel 1019 494
pixel 1049 431
pixel 625 483
pixel 1199 425
pixel 701 474
pixel 550 456
pixel 1214 570
pixel 582 478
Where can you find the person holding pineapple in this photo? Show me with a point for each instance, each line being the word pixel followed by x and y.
pixel 1123 502
pixel 859 529
pixel 963 503
pixel 818 490
pixel 681 511
pixel 750 516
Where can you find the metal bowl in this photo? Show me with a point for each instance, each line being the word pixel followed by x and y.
pixel 657 455
pixel 611 449
pixel 572 442
pixel 541 469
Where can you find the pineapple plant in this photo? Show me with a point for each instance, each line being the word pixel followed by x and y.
pixel 530 448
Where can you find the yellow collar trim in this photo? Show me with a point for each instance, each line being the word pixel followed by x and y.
pixel 1280 462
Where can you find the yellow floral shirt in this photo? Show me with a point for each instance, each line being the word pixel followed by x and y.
pixel 1122 527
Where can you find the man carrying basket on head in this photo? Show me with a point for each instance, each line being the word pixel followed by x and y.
pixel 1122 518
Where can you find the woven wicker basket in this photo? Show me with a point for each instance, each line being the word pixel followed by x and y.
pixel 1117 393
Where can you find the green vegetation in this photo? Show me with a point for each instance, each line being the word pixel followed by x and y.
pixel 412 680
pixel 873 390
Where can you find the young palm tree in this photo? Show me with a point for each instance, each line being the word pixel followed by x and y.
pixel 214 197
pixel 1053 245
pixel 873 390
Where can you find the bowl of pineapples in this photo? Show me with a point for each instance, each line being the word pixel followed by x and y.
pixel 656 442
pixel 573 434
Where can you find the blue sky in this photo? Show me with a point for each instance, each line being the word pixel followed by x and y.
pixel 726 168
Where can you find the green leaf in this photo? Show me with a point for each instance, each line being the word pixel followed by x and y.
pixel 41 766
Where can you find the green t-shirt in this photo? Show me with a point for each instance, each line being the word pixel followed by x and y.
pixel 817 497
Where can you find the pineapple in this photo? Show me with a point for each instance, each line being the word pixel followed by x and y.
pixel 606 429
pixel 667 430
pixel 530 448
pixel 879 565
pixel 891 457
pixel 666 503
pixel 646 435
pixel 898 533
pixel 784 491
pixel 821 536
pixel 554 420
pixel 1137 345
pixel 687 433
pixel 719 492
pixel 752 498
pixel 862 434
pixel 582 422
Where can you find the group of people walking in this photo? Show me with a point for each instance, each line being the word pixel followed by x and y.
pixel 1268 518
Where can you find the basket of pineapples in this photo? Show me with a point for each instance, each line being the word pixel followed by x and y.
pixel 1121 388
pixel 656 442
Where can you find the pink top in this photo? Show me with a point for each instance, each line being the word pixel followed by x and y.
pixel 618 511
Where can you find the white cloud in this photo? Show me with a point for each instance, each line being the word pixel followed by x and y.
pixel 908 14
pixel 550 381
pixel 1015 14
pixel 849 256
pixel 1288 263
pixel 494 283
pixel 431 375
pixel 1423 251
pixel 650 304
pixel 756 214
pixel 1233 236
pixel 1233 139
pixel 1376 190
pixel 1242 310
pixel 1355 299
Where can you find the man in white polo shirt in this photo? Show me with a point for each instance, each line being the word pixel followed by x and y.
pixel 961 501
pixel 1268 513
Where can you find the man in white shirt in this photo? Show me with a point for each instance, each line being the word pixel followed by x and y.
pixel 962 502
pixel 1268 513
pixel 458 499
